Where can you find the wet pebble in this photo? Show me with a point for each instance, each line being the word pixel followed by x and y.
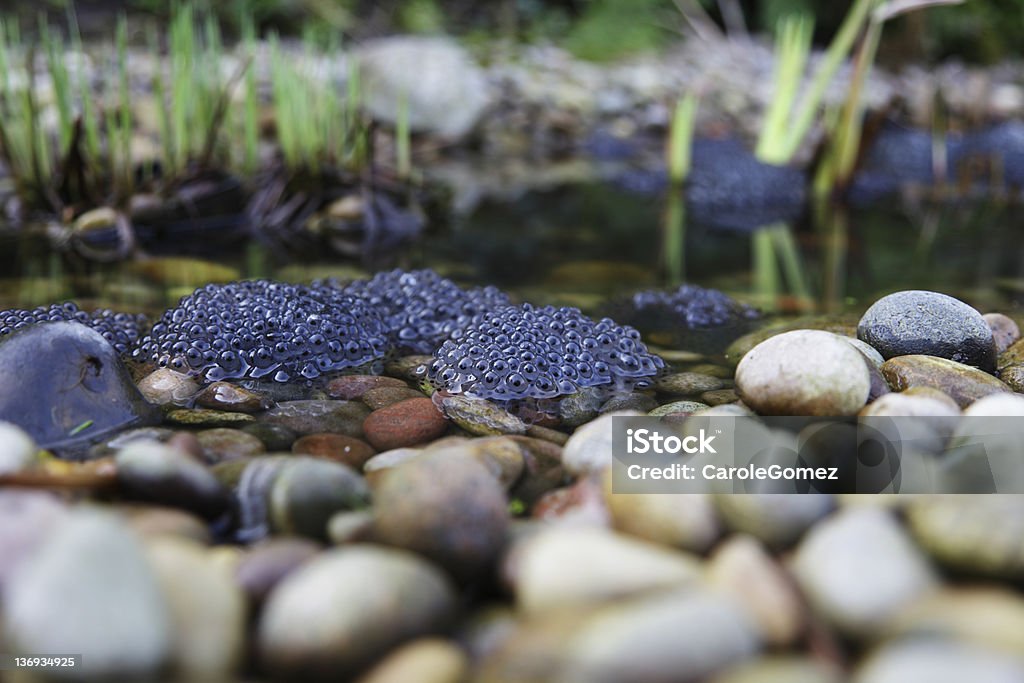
pixel 348 607
pixel 938 661
pixel 17 448
pixel 275 437
pixel 719 397
pixel 777 520
pixel 859 568
pixel 589 449
pixel 1004 330
pixel 338 447
pixel 642 403
pixel 222 444
pixel 207 609
pixel 742 569
pixel 581 407
pixel 165 387
pixel 678 408
pixel 687 384
pixel 265 564
pixel 381 397
pixel 412 368
pixel 963 383
pixel 89 564
pixel 567 566
pixel 204 417
pixel 804 372
pixel 232 398
pixel 426 660
pixel 156 473
pixel 917 322
pixel 479 416
pixel 315 416
pixel 407 423
pixel 352 387
pixel 446 507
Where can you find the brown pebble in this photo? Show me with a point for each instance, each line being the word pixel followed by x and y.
pixel 547 434
pixel 232 398
pixel 222 444
pixel 382 397
pixel 407 423
pixel 351 387
pixel 338 447
pixel 719 397
pixel 1004 330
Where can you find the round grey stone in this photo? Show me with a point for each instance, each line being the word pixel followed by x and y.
pixel 929 323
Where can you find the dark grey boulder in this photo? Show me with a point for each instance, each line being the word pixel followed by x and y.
pixel 66 386
pixel 928 323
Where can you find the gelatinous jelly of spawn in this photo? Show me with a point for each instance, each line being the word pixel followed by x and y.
pixel 520 352
pixel 122 330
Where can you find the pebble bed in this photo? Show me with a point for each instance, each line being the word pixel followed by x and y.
pixel 345 528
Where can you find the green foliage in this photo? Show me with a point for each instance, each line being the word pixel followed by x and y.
pixel 610 29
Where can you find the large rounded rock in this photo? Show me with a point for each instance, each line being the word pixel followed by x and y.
pixel 928 323
pixel 804 372
pixel 348 607
pixel 65 384
pixel 859 568
pixel 441 88
pixel 90 590
pixel 445 506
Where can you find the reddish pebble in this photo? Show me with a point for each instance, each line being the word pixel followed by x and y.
pixel 352 387
pixel 338 447
pixel 382 397
pixel 407 423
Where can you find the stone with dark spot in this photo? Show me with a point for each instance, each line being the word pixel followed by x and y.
pixel 928 323
pixel 66 386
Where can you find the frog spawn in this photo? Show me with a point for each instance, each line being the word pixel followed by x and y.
pixel 120 329
pixel 422 309
pixel 522 352
pixel 256 329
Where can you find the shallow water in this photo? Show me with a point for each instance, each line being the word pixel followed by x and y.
pixel 581 244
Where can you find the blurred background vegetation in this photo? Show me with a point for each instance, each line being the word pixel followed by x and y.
pixel 977 31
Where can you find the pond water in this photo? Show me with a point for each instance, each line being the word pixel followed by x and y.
pixel 580 244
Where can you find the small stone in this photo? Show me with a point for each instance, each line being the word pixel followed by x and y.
pixel 382 462
pixel 719 397
pixel 1004 330
pixel 1013 377
pixel 350 526
pixel 569 566
pixel 265 564
pixel 407 423
pixel 274 437
pixel 938 661
pixel 352 387
pixel 777 520
pixel 426 660
pixel 412 368
pixel 741 568
pixel 155 473
pixel 581 407
pixel 338 447
pixel 963 383
pixel 501 455
pixel 314 417
pixel 839 325
pixel 208 610
pixel 547 434
pixel 804 372
pixel 917 322
pixel 232 398
pixel 479 416
pixel 687 384
pixel 17 448
pixel 90 563
pixel 447 508
pixel 641 403
pixel 678 408
pixel 222 444
pixel 204 417
pixel 348 607
pixel 687 522
pixel 589 449
pixel 164 387
pixel 859 568
pixel 381 397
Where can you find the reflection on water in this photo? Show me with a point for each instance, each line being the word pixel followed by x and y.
pixel 581 244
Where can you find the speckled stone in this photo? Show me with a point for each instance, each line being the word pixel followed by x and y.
pixel 928 323
pixel 963 383
pixel 312 417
